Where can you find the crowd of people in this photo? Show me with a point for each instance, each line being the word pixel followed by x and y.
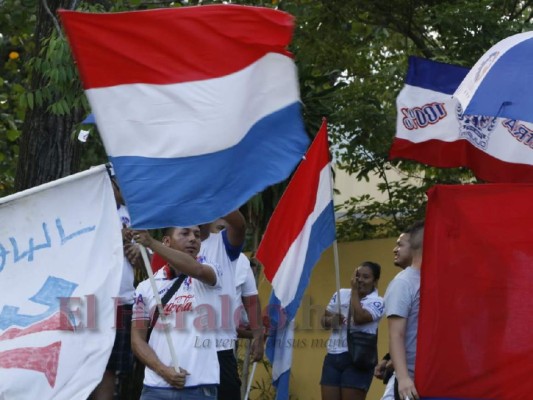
pixel 204 282
pixel 201 272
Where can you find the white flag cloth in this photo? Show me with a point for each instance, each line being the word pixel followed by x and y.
pixel 60 267
pixel 432 129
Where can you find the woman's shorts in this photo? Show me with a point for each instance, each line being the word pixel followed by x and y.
pixel 339 371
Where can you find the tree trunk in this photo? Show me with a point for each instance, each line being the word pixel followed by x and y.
pixel 48 150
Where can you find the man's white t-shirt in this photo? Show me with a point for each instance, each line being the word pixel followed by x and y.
pixel 191 312
pixel 245 286
pixel 216 248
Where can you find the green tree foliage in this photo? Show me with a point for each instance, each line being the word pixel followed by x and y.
pixel 16 43
pixel 52 104
pixel 352 59
pixel 370 41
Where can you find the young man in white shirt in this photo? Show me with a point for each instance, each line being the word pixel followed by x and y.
pixel 193 306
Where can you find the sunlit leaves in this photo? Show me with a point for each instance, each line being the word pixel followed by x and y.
pixel 351 57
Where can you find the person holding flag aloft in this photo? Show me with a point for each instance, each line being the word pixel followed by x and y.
pixel 194 336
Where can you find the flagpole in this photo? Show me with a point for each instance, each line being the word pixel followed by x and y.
pixel 162 316
pixel 250 381
pixel 335 247
pixel 337 273
pixel 336 261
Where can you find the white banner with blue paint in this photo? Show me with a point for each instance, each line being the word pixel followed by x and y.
pixel 60 268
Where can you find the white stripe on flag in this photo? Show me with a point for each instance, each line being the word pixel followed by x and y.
pixel 283 356
pixel 186 119
pixel 506 140
pixel 290 269
pixel 445 128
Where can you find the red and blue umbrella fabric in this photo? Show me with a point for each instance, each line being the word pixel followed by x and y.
pixel 501 82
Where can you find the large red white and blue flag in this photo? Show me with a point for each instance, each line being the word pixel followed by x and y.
pixel 300 229
pixel 474 333
pixel 432 129
pixel 198 107
pixel 60 268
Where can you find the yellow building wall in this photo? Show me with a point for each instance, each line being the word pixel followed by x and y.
pixel 309 345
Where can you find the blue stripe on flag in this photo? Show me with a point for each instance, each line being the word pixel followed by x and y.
pixel 282 387
pixel 278 348
pixel 89 119
pixel 485 101
pixel 433 75
pixel 222 181
pixel 321 237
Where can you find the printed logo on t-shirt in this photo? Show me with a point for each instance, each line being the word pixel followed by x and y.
pixel 187 284
pixel 216 266
pixel 181 303
pixel 378 305
pixel 138 300
pixel 201 259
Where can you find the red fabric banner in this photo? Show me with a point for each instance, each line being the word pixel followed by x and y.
pixel 475 336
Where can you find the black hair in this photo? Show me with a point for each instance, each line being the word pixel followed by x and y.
pixel 168 231
pixel 416 234
pixel 374 267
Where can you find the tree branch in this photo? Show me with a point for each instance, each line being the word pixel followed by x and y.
pixel 54 19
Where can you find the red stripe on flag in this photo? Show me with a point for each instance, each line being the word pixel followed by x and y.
pixel 173 45
pixel 461 153
pixel 41 359
pixel 57 322
pixel 295 206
